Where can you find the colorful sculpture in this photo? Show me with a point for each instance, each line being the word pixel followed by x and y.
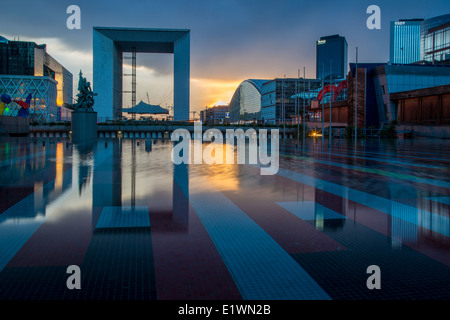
pixel 341 86
pixel 325 90
pixel 24 107
pixel 5 100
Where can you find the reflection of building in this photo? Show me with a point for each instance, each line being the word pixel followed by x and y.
pixel 435 39
pixel 30 63
pixel 331 50
pixel 332 202
pixel 215 115
pixel 405 216
pixel 405 41
pixel 26 185
pixel 433 219
pixel 107 177
pixel 245 105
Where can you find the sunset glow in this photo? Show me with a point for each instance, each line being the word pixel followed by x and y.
pixel 211 92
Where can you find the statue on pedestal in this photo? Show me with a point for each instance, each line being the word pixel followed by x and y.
pixel 85 100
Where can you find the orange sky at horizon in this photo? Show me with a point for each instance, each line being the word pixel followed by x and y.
pixel 211 92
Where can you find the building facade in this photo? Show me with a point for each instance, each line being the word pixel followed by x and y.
pixel 215 115
pixel 391 79
pixel 435 39
pixel 405 41
pixel 282 99
pixel 245 105
pixel 331 57
pixel 429 106
pixel 109 44
pixel 44 96
pixel 23 65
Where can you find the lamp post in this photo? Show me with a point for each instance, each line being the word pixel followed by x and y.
pixel 331 98
pixel 304 95
pixel 323 103
pixel 297 111
pixel 283 104
pixel 297 108
pixel 356 99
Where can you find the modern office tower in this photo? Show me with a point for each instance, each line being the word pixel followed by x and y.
pixel 331 53
pixel 435 39
pixel 405 41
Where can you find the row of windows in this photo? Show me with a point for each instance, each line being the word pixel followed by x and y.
pixel 407 82
pixel 406 47
pixel 439 40
pixel 245 103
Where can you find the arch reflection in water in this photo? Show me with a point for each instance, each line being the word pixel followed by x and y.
pixel 129 186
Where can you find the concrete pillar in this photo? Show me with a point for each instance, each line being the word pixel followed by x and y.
pixel 181 78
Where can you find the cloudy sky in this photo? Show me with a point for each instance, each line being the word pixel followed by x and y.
pixel 231 40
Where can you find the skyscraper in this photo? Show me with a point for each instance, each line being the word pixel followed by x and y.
pixel 405 41
pixel 331 52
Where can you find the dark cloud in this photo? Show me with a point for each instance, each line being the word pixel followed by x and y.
pixel 229 38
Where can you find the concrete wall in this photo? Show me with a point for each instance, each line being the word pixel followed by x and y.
pixel 426 131
pixel 14 126
pixel 104 75
pixel 84 126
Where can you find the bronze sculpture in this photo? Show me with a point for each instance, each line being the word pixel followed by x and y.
pixel 85 100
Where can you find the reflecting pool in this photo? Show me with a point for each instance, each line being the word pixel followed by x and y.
pixel 141 227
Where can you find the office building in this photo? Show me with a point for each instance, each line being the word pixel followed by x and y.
pixel 435 39
pixel 331 57
pixel 391 80
pixel 405 41
pixel 279 98
pixel 215 115
pixel 26 67
pixel 414 95
pixel 245 105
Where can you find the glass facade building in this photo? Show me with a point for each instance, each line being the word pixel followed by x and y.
pixel 245 105
pixel 405 41
pixel 390 79
pixel 435 39
pixel 280 95
pixel 25 58
pixel 43 105
pixel 331 54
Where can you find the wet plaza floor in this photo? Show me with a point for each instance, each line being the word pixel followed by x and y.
pixel 142 228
